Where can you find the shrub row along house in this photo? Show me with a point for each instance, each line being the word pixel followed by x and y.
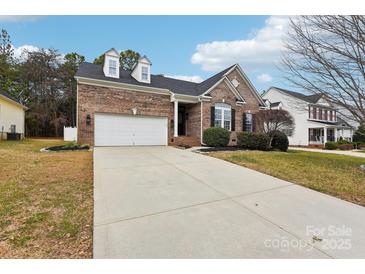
pixel 317 121
pixel 119 107
pixel 12 115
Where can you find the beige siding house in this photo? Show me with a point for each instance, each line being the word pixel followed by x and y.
pixel 12 115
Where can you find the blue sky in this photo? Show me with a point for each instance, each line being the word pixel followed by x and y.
pixel 189 47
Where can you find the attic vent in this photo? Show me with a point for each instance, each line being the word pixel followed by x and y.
pixel 235 83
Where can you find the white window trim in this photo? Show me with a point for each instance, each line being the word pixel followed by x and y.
pixel 324 110
pixel 142 73
pixel 222 109
pixel 112 67
pixel 251 127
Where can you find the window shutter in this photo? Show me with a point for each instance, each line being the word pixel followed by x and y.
pixel 244 122
pixel 253 122
pixel 233 119
pixel 212 112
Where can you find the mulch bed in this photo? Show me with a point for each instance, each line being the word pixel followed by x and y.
pixel 65 148
pixel 215 149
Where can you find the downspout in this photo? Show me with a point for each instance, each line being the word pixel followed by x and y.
pixel 201 121
pixel 77 103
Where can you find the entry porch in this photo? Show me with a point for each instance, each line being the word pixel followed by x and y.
pixel 318 136
pixel 186 122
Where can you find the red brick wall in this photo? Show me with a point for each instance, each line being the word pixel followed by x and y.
pixel 244 90
pixel 222 92
pixel 193 122
pixel 93 99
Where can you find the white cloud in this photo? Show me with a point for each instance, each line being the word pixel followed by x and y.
pixel 263 48
pixel 264 77
pixel 18 18
pixel 20 51
pixel 194 78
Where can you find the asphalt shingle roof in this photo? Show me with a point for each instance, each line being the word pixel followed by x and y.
pixel 94 71
pixel 308 98
pixel 339 122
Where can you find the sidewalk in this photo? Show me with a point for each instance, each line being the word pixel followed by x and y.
pixel 340 152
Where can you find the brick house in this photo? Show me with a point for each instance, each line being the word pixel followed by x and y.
pixel 119 107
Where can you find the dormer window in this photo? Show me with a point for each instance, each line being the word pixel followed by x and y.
pixel 111 63
pixel 144 76
pixel 142 70
pixel 112 67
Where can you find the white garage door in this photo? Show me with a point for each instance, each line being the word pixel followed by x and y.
pixel 126 130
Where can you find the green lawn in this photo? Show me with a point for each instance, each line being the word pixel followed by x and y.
pixel 46 201
pixel 337 175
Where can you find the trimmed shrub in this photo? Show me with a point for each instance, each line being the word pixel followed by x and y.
pixel 216 137
pixel 245 139
pixel 279 141
pixel 253 140
pixel 343 142
pixel 358 145
pixel 345 147
pixel 331 145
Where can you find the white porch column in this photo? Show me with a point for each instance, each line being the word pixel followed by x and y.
pixel 335 131
pixel 176 105
pixel 324 135
pixel 351 134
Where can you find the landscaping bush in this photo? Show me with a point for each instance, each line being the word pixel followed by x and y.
pixel 345 147
pixel 358 145
pixel 253 140
pixel 331 145
pixel 343 142
pixel 216 137
pixel 279 141
pixel 245 139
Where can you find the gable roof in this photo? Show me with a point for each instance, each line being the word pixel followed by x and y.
pixel 145 57
pixel 308 98
pixel 112 50
pixel 208 83
pixel 93 71
pixel 11 98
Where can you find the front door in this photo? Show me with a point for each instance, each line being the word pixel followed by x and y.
pixel 181 127
pixel 330 134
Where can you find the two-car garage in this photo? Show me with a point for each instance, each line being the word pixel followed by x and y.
pixel 129 130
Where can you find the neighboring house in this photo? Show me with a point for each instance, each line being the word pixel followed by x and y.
pixel 119 107
pixel 12 114
pixel 316 120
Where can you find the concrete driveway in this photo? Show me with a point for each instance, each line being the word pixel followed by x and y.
pixel 162 202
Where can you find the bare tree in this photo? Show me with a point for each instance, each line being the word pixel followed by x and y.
pixel 44 91
pixel 273 120
pixel 326 55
